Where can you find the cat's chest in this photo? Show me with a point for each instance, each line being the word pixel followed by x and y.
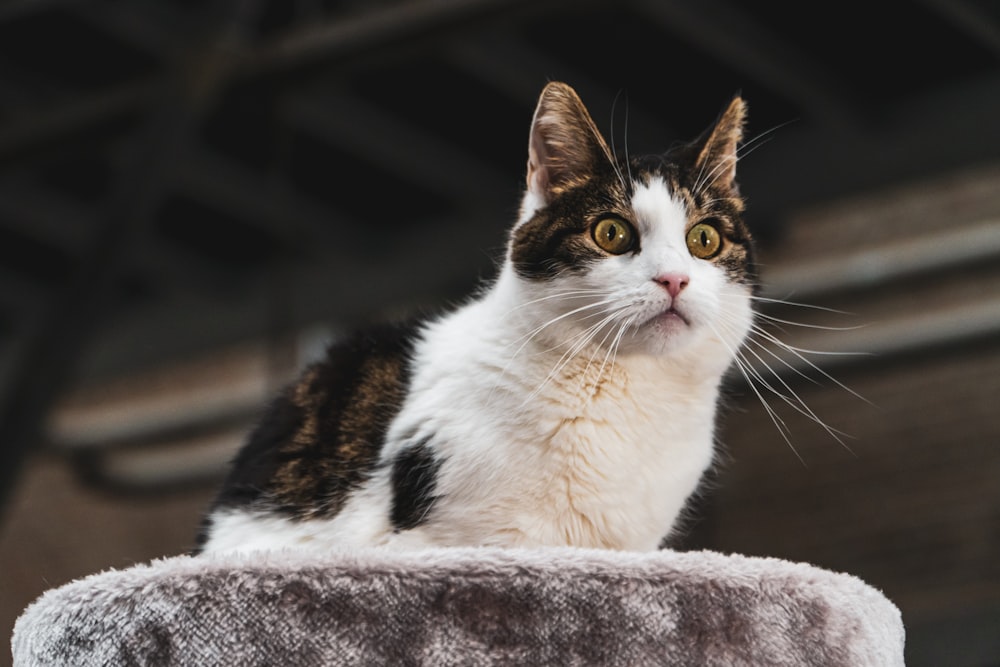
pixel 629 440
pixel 604 465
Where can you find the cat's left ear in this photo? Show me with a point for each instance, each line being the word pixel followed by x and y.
pixel 565 148
pixel 717 157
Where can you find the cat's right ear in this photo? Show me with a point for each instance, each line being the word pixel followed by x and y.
pixel 565 147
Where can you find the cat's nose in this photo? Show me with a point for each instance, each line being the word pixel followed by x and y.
pixel 673 282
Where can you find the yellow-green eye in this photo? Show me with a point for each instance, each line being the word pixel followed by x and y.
pixel 614 235
pixel 704 241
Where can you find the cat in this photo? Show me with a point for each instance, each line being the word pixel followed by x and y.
pixel 571 401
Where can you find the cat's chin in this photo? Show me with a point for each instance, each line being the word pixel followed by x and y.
pixel 664 333
pixel 671 321
pixel 671 324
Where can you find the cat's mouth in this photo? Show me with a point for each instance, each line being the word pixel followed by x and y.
pixel 671 318
pixel 674 315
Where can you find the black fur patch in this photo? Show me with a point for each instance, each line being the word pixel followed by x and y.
pixel 557 239
pixel 414 480
pixel 322 437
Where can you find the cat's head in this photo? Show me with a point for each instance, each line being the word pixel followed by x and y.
pixel 647 254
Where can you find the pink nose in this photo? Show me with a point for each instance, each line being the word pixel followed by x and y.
pixel 673 282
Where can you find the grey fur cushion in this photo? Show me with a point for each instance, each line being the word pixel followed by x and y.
pixel 463 607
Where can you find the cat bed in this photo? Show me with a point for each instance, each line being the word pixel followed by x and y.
pixel 558 606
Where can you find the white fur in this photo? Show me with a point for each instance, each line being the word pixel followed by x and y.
pixel 598 448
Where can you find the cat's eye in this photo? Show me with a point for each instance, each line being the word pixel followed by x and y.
pixel 614 235
pixel 704 240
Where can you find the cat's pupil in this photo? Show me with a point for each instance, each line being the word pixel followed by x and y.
pixel 704 239
pixel 612 232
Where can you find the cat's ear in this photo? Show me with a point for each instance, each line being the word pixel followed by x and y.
pixel 717 156
pixel 565 147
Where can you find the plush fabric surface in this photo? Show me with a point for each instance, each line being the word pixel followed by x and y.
pixel 463 607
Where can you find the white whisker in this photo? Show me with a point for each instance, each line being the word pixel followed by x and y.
pixel 803 351
pixel 614 152
pixel 628 161
pixel 742 367
pixel 716 173
pixel 525 339
pixel 771 318
pixel 798 404
pixel 785 362
pixel 568 294
pixel 612 351
pixel 585 338
pixel 798 354
pixel 784 302
pixel 760 140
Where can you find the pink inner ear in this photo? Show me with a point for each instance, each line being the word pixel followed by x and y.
pixel 538 173
pixel 561 152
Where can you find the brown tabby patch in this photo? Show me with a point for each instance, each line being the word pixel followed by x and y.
pixel 323 436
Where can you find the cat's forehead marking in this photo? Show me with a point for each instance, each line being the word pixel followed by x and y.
pixel 655 205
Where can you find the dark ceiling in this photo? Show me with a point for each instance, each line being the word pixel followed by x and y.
pixel 176 174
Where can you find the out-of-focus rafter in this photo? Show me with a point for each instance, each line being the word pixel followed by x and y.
pixel 415 155
pixel 733 36
pixel 969 19
pixel 53 346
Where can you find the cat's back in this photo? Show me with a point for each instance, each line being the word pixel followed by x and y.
pixel 322 437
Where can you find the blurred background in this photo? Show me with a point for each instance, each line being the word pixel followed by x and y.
pixel 196 197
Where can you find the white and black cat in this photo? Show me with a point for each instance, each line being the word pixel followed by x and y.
pixel 572 401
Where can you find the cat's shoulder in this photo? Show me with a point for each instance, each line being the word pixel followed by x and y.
pixel 380 339
pixel 367 365
pixel 338 408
